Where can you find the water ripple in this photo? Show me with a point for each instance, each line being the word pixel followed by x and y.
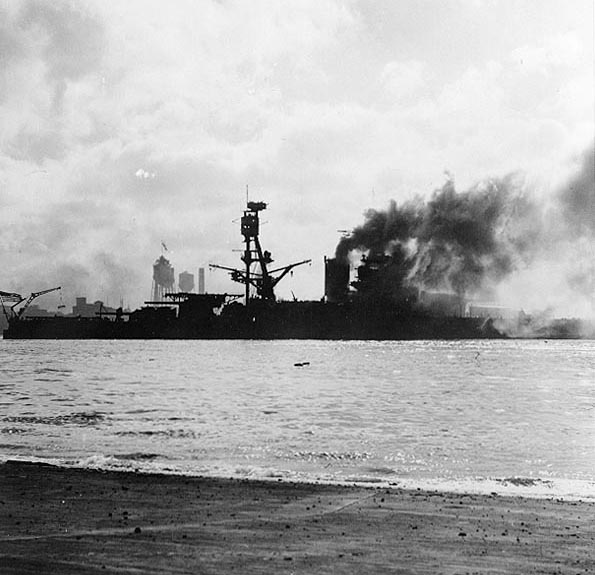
pixel 81 418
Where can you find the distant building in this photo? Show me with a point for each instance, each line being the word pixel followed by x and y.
pixel 84 309
pixel 441 303
pixel 492 310
pixel 36 311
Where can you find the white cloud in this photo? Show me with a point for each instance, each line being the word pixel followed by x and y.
pixel 159 114
pixel 144 175
pixel 562 50
pixel 401 79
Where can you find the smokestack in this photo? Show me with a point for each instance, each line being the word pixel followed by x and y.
pixel 201 280
pixel 336 279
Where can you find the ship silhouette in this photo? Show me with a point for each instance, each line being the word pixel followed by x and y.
pixel 366 308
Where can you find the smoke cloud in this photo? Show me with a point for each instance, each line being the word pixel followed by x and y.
pixel 474 241
pixel 457 241
pixel 577 198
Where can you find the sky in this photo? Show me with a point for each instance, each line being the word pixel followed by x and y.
pixel 129 124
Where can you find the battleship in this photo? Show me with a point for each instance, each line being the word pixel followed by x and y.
pixel 362 309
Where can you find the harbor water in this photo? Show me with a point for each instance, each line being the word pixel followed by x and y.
pixel 505 416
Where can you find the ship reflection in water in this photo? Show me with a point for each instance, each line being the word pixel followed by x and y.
pixel 377 305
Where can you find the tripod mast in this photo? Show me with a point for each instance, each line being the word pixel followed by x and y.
pixel 264 280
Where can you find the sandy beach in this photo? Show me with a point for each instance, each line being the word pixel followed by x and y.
pixel 56 520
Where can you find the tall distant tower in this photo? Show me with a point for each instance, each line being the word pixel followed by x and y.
pixel 201 280
pixel 163 278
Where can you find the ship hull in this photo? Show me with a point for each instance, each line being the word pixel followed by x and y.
pixel 286 320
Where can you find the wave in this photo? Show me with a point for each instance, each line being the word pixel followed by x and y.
pixel 331 455
pixel 14 430
pixel 77 418
pixel 138 456
pixel 167 433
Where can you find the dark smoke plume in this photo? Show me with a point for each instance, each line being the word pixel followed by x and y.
pixel 457 241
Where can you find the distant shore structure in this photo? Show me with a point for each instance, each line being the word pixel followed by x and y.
pixel 201 281
pixel 163 278
pixel 186 282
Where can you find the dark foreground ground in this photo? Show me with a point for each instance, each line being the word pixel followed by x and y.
pixel 65 521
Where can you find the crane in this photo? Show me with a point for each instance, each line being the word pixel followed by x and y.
pixel 9 297
pixel 19 313
pixel 263 282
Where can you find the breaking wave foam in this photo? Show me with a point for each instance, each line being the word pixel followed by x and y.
pixel 551 488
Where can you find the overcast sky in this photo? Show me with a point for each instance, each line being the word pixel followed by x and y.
pixel 129 123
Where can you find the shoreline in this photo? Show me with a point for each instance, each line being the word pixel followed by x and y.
pixel 73 520
pixel 528 487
